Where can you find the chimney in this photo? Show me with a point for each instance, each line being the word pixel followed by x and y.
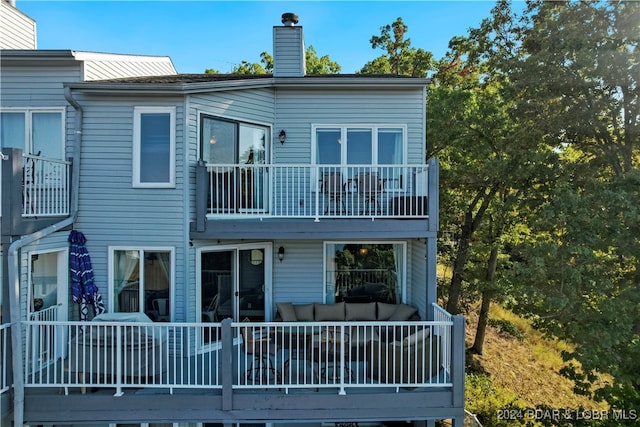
pixel 288 48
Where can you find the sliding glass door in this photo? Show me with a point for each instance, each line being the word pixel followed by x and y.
pixel 236 154
pixel 235 283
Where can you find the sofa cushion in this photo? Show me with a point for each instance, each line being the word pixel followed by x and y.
pixel 304 312
pixel 418 337
pixel 325 312
pixel 385 311
pixel 287 313
pixel 361 311
pixel 403 312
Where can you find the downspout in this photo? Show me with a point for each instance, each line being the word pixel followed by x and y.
pixel 14 267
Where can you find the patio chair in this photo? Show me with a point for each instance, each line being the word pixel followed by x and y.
pixel 260 347
pixel 369 188
pixel 328 347
pixel 333 191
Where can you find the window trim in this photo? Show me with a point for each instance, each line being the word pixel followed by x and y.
pixel 374 140
pixel 141 250
pixel 137 115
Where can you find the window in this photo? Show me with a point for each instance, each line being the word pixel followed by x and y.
pixel 36 131
pixel 154 147
pixel 358 150
pixel 141 281
pixel 364 272
pixel 359 145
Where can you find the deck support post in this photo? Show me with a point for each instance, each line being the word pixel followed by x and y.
pixel 226 357
pixel 202 192
pixel 458 348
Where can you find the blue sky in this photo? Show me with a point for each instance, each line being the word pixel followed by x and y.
pixel 219 34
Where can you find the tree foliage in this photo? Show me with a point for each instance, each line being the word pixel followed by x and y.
pixel 314 64
pixel 578 84
pixel 400 57
pixel 544 109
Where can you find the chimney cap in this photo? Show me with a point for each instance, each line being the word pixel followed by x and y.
pixel 289 19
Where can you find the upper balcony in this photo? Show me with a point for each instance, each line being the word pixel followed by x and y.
pixel 304 193
pixel 35 191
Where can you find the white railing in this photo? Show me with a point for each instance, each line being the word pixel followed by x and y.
pixel 272 355
pixel 4 349
pixel 287 355
pixel 110 354
pixel 313 191
pixel 45 190
pixel 442 316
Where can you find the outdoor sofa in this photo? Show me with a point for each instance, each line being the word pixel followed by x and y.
pixel 93 352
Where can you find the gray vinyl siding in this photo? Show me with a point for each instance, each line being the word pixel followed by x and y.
pixel 417 275
pixel 18 31
pixel 299 278
pixel 297 111
pixel 40 87
pixel 111 211
pixel 288 51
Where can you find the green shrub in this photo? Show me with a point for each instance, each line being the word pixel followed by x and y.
pixel 507 327
pixel 492 404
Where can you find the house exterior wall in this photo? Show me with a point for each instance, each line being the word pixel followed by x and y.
pixel 36 87
pixel 18 30
pixel 297 110
pixel 111 211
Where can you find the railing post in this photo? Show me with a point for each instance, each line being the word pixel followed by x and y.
pixel 433 196
pixel 316 187
pixel 457 361
pixel 202 189
pixel 343 361
pixel 119 352
pixel 226 356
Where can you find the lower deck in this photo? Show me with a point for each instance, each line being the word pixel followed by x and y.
pixel 244 372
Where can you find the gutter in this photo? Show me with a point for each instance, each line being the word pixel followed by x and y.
pixel 14 269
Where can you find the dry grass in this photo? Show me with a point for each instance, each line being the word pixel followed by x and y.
pixel 529 368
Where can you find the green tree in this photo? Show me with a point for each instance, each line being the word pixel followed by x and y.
pixel 487 162
pixel 399 57
pixel 315 64
pixel 578 84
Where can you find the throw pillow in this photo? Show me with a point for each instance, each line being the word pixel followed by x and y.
pixel 287 313
pixel 403 312
pixel 304 312
pixel 385 311
pixel 416 338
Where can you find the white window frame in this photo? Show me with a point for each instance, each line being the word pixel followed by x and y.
pixel 137 114
pixel 405 254
pixel 28 128
pixel 374 140
pixel 141 250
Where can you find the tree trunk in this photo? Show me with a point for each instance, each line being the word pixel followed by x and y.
pixel 470 225
pixel 462 255
pixel 487 296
